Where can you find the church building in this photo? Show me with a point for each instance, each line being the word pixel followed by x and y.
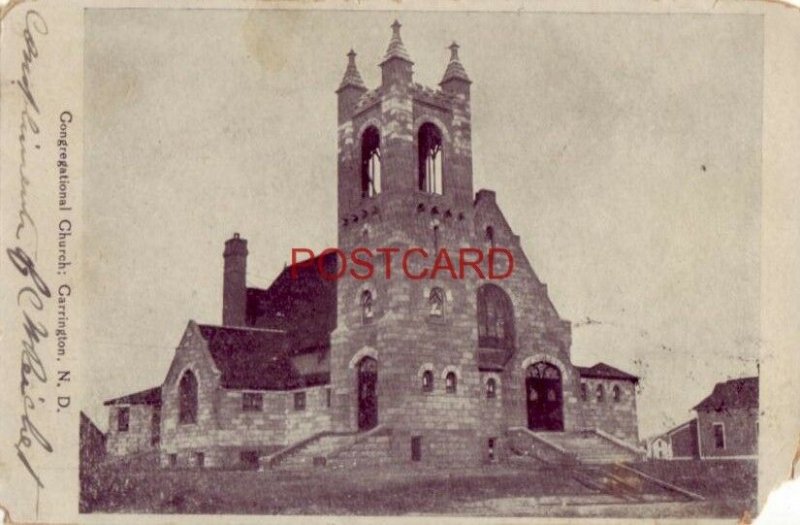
pixel 312 372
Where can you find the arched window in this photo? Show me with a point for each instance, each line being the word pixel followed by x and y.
pixel 370 162
pixel 187 398
pixel 584 392
pixel 489 235
pixel 427 381
pixel 495 318
pixel 601 393
pixel 450 382
pixel 617 394
pixel 429 142
pixel 366 306
pixel 436 300
pixel 491 388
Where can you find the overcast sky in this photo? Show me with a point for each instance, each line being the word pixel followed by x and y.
pixel 624 150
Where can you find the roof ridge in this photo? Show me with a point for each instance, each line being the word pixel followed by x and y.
pixel 244 328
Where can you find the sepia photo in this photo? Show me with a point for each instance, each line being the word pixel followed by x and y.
pixel 299 315
pixel 313 262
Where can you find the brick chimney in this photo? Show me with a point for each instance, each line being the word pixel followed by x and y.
pixel 234 284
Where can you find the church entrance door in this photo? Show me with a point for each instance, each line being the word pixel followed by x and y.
pixel 367 393
pixel 544 397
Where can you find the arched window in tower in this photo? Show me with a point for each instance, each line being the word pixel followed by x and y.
pixel 366 307
pixel 491 388
pixel 495 318
pixel 601 393
pixel 370 162
pixel 616 394
pixel 450 382
pixel 187 398
pixel 429 142
pixel 489 235
pixel 427 381
pixel 436 302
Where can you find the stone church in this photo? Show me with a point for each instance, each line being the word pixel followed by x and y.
pixel 313 372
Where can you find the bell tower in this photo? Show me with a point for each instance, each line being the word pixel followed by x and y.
pixel 402 141
pixel 405 181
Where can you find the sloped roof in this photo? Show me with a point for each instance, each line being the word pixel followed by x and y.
pixel 249 358
pixel 735 393
pixel 604 371
pixel 691 424
pixel 151 396
pixel 299 302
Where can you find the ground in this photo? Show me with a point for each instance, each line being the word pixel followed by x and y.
pixel 494 490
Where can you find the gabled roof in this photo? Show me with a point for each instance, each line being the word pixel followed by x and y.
pixel 735 393
pixel 299 302
pixel 249 358
pixel 691 424
pixel 604 371
pixel 151 396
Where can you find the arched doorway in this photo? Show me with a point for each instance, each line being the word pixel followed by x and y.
pixel 544 397
pixel 367 393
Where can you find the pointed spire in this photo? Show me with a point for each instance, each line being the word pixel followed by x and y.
pixel 351 75
pixel 455 70
pixel 396 48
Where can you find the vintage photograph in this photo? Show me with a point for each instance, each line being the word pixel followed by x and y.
pixel 356 262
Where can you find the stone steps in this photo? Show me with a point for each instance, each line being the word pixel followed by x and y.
pixel 337 450
pixel 320 448
pixel 588 446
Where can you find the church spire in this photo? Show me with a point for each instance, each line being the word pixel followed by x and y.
pixel 455 70
pixel 350 89
pixel 351 75
pixel 396 48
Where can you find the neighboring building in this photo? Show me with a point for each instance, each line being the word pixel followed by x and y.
pixel 658 448
pixel 683 441
pixel 92 443
pixel 434 370
pixel 726 426
pixel 134 423
pixel 677 443
pixel 727 420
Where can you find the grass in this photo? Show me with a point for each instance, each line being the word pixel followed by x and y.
pixel 494 490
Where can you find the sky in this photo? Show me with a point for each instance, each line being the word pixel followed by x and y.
pixel 625 151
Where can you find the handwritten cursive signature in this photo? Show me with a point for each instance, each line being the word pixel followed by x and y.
pixel 32 294
pixel 34 25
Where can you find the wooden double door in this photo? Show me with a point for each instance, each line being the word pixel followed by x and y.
pixel 545 398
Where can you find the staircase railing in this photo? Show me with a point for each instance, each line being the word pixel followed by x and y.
pixel 564 454
pixel 275 458
pixel 605 435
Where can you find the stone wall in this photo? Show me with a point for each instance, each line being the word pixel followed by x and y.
pixel 138 437
pixel 617 418
pixel 313 419
pixel 741 432
pixel 223 429
pixel 683 442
